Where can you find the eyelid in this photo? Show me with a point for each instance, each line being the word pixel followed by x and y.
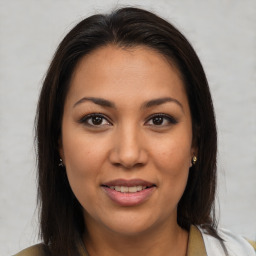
pixel 170 118
pixel 84 119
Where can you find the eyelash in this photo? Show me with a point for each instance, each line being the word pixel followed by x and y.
pixel 84 120
pixel 170 119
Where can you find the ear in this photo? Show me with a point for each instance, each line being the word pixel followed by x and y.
pixel 195 140
pixel 60 149
pixel 194 151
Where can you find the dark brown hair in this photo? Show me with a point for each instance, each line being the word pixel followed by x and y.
pixel 61 214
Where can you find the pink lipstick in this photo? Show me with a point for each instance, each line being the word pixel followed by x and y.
pixel 128 192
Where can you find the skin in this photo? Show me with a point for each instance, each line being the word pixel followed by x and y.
pixel 127 143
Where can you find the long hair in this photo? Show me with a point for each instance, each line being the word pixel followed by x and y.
pixel 61 216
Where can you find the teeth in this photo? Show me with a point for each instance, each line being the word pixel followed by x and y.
pixel 117 188
pixel 132 189
pixel 124 189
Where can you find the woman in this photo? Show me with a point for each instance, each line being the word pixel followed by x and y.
pixel 127 144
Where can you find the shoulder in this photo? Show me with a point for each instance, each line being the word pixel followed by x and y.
pixel 236 245
pixel 35 250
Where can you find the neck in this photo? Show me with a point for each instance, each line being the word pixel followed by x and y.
pixel 165 240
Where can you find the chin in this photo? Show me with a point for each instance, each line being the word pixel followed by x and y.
pixel 132 224
pixel 130 229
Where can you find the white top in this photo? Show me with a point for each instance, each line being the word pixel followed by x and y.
pixel 236 245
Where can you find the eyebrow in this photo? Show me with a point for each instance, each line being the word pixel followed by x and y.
pixel 160 101
pixel 106 103
pixel 98 101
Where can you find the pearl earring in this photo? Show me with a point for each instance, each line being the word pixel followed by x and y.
pixel 61 163
pixel 194 159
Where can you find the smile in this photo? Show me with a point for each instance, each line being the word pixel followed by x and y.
pixel 124 189
pixel 129 192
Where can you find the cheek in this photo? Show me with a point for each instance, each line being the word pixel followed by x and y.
pixel 83 159
pixel 172 157
pixel 173 154
pixel 81 152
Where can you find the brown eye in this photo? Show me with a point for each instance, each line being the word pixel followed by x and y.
pixel 157 120
pixel 161 120
pixel 95 120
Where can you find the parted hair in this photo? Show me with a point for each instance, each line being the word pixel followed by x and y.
pixel 61 217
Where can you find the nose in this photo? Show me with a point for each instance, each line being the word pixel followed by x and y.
pixel 128 149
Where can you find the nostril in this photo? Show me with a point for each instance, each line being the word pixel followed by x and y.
pixel 126 166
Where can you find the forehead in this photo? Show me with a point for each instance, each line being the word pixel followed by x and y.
pixel 112 71
pixel 113 56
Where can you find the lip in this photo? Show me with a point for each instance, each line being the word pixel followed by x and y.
pixel 129 199
pixel 129 183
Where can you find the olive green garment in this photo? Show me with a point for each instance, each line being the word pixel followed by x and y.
pixel 253 244
pixel 195 246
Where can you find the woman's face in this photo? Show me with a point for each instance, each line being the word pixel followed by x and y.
pixel 127 139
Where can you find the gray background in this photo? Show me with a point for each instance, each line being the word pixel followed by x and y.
pixel 224 36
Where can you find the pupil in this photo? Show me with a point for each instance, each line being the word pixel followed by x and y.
pixel 157 120
pixel 96 120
